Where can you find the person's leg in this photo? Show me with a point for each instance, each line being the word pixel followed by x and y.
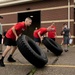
pixel 68 42
pixel 62 42
pixel 65 44
pixel 0 43
pixel 3 55
pixel 37 40
pixel 14 46
pixel 37 43
pixel 66 48
pixel 10 59
pixel 6 51
pixel 13 50
pixel 0 47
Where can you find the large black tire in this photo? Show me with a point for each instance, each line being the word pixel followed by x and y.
pixel 52 46
pixel 31 51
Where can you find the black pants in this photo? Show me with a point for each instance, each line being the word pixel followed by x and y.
pixel 0 38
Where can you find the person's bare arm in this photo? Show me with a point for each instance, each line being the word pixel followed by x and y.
pixel 41 37
pixel 46 34
pixel 69 34
pixel 39 34
pixel 55 35
pixel 14 31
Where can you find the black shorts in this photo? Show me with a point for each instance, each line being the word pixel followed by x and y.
pixel 0 38
pixel 66 40
pixel 37 40
pixel 9 42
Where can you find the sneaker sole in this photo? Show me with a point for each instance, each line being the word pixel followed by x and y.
pixel 2 66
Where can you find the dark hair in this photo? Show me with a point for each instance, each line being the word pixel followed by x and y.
pixel 1 17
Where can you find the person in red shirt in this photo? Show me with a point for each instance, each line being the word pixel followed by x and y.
pixel 11 37
pixel 52 33
pixel 38 34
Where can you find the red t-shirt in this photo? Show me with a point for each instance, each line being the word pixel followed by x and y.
pixel 41 30
pixel 18 27
pixel 52 33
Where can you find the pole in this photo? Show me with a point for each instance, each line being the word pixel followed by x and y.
pixel 68 13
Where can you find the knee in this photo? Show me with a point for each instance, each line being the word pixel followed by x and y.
pixel 8 47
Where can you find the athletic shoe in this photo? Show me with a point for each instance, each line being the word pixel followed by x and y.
pixel 10 59
pixel 2 63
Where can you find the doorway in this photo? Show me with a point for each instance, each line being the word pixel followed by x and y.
pixel 36 21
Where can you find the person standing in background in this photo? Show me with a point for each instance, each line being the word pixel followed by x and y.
pixel 1 31
pixel 62 41
pixel 52 33
pixel 66 36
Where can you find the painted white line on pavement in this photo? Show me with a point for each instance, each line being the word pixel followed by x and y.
pixel 62 66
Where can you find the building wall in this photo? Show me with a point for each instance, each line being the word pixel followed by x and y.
pixel 51 11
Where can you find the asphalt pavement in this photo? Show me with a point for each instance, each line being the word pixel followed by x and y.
pixel 62 65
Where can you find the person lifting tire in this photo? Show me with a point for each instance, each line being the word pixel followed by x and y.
pixel 52 46
pixel 31 51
